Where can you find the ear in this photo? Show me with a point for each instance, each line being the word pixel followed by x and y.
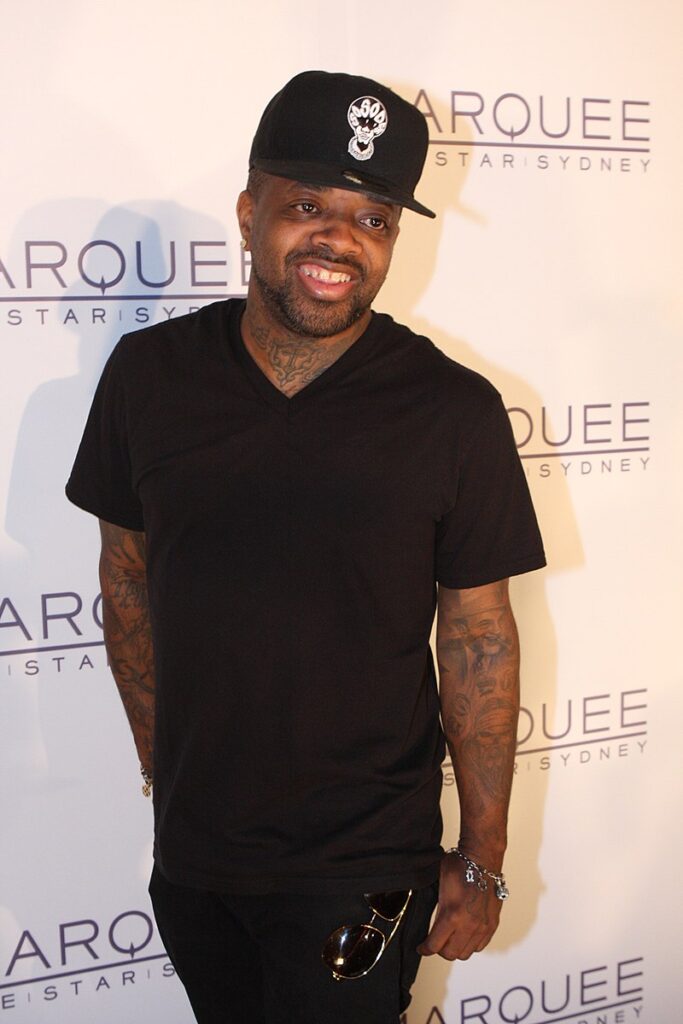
pixel 245 214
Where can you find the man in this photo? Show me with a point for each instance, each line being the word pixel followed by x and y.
pixel 282 485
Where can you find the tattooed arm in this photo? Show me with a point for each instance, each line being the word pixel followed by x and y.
pixel 478 655
pixel 127 632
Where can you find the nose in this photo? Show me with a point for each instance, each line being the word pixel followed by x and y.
pixel 337 233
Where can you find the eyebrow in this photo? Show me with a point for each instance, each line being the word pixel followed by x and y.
pixel 328 188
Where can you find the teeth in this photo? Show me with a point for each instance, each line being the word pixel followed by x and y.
pixel 328 276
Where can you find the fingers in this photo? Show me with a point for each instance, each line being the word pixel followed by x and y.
pixel 455 935
pixel 466 917
pixel 462 948
pixel 454 952
pixel 439 934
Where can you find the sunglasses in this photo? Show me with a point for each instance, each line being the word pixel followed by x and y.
pixel 353 950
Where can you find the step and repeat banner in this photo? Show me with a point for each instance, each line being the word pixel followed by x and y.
pixel 553 268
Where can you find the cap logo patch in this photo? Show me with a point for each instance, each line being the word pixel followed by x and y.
pixel 368 118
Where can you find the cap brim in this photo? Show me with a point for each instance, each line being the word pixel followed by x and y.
pixel 350 178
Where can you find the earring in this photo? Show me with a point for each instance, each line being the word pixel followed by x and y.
pixel 243 243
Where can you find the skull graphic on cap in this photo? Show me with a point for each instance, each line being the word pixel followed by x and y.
pixel 368 118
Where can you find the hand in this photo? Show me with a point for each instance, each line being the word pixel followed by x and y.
pixel 466 918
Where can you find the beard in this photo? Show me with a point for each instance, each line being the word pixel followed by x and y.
pixel 304 314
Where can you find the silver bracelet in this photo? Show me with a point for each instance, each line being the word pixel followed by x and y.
pixel 477 875
pixel 146 781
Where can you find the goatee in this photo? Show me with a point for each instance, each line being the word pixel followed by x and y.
pixel 305 315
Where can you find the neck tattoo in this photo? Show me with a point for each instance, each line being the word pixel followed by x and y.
pixel 292 362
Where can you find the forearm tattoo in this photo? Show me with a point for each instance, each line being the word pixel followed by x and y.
pixel 127 630
pixel 478 655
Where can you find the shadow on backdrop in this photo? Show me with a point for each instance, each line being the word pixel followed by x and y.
pixel 67 760
pixel 415 260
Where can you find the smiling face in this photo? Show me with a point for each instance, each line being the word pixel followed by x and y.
pixel 318 255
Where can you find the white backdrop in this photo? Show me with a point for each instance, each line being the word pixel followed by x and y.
pixel 552 268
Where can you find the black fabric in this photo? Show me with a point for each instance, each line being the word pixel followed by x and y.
pixel 307 133
pixel 257 959
pixel 294 547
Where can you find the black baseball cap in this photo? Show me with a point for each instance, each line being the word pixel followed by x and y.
pixel 344 131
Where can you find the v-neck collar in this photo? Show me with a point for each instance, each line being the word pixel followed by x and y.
pixel 352 357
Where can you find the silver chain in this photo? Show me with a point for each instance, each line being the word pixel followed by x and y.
pixel 146 782
pixel 475 874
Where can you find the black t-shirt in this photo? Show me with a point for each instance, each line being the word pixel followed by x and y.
pixel 294 546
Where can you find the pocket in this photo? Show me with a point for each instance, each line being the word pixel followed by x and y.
pixel 416 922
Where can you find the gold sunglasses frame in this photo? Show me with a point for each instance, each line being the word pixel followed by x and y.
pixel 369 926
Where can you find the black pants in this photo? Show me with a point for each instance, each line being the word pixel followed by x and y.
pixel 257 959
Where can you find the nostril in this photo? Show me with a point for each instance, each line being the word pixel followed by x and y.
pixel 335 237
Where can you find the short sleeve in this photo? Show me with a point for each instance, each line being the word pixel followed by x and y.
pixel 491 531
pixel 100 480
